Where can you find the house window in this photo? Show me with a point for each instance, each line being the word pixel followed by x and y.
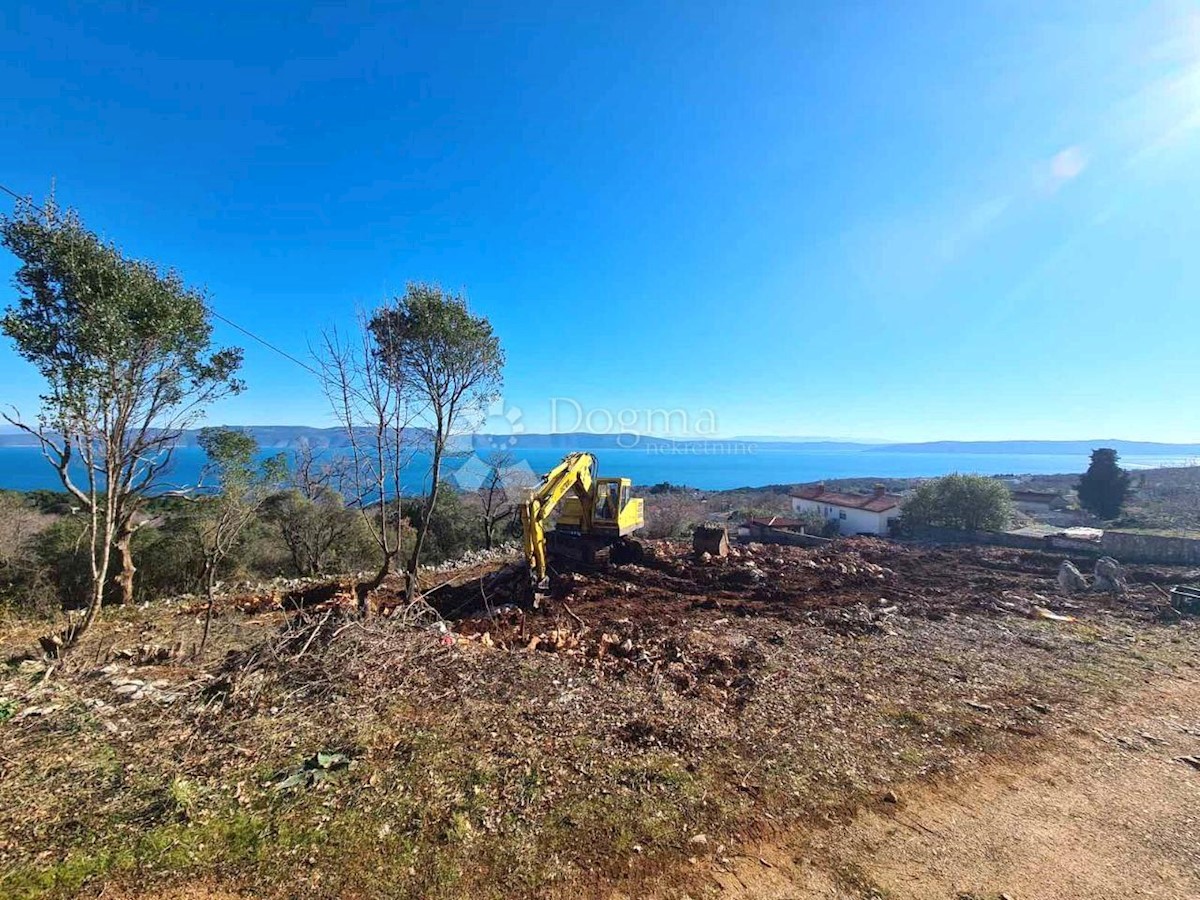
pixel 842 514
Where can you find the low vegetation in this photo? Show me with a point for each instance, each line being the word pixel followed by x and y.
pixel 44 567
pixel 1163 500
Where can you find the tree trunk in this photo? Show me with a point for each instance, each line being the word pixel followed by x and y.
pixel 297 559
pixel 124 577
pixel 363 589
pixel 210 580
pixel 74 633
pixel 414 561
pixel 100 548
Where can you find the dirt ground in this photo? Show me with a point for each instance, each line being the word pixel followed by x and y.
pixel 1103 814
pixel 868 720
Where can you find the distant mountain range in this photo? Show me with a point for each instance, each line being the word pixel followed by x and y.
pixel 1131 448
pixel 269 437
pixel 809 439
pixel 285 437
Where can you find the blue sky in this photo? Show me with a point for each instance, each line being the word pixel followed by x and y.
pixel 909 221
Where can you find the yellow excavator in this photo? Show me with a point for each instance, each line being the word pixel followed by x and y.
pixel 597 517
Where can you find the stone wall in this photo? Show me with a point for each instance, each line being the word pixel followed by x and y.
pixel 1151 548
pixel 1049 542
pixel 1123 545
pixel 959 536
pixel 765 535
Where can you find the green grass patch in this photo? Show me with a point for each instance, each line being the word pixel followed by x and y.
pixel 177 848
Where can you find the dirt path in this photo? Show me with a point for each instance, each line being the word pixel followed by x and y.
pixel 1109 813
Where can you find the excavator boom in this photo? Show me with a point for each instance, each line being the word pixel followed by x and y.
pixel 574 473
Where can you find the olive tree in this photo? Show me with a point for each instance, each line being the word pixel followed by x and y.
pixel 125 351
pixel 449 363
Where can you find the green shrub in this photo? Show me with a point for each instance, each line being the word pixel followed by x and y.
pixel 970 502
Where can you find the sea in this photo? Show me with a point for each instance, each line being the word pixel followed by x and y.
pixel 25 469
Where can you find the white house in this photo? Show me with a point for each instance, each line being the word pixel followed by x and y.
pixel 872 513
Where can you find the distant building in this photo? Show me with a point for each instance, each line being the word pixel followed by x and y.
pixel 873 513
pixel 1036 501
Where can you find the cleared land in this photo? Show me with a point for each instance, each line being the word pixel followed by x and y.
pixel 649 730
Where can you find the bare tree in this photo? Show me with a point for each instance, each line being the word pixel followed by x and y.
pixel 501 493
pixel 239 493
pixel 372 410
pixel 313 473
pixel 126 353
pixel 669 514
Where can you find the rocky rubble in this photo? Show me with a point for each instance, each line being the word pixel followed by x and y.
pixel 614 619
pixel 130 689
pixel 1109 578
pixel 475 558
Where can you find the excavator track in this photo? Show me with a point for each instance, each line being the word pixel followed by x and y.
pixel 591 550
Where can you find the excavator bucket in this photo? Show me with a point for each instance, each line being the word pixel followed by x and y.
pixel 711 539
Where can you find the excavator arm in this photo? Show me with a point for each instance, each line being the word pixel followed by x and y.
pixel 575 473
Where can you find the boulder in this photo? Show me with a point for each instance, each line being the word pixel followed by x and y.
pixel 1070 579
pixel 1109 579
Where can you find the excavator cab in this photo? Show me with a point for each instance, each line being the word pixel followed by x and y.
pixel 608 501
pixel 614 511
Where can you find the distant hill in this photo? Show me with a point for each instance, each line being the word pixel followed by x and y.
pixel 831 440
pixel 1131 448
pixel 812 446
pixel 571 440
pixel 586 440
pixel 269 437
pixel 290 437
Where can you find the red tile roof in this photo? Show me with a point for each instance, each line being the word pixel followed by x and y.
pixel 877 502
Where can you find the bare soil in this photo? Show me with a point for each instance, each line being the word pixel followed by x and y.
pixel 1106 813
pixel 643 732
